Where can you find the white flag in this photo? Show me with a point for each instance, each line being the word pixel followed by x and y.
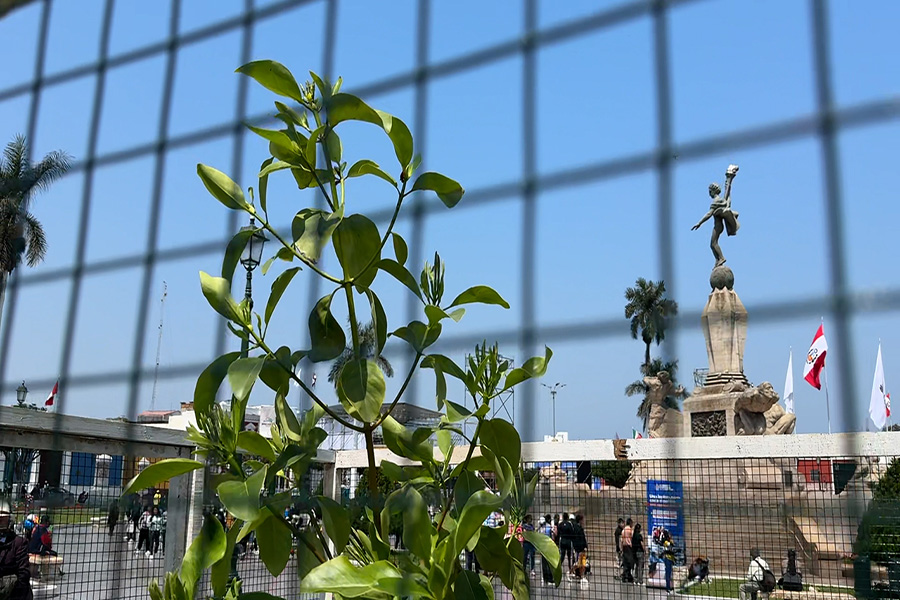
pixel 789 386
pixel 878 404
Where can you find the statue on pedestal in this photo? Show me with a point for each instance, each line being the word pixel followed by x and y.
pixel 663 421
pixel 725 219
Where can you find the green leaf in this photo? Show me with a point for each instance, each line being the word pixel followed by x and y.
pixel 221 569
pixel 287 420
pixel 369 167
pixel 222 188
pixel 328 339
pixel 417 527
pixel 278 286
pixel 312 230
pixel 333 144
pixel 401 441
pixel 275 541
pixel 337 522
pixel 401 274
pixel 358 245
pixel 205 550
pixel 535 366
pixel 241 498
pixel 479 506
pixel 449 191
pixel 264 181
pixel 233 253
pixel 446 365
pixel 158 472
pixel 273 76
pixel 258 596
pixel 472 586
pixel 256 444
pixel 466 485
pixel 501 438
pixel 361 389
pixel 296 118
pixel 480 294
pixel 340 576
pixel 548 550
pixel 419 335
pixel 282 147
pixel 242 374
pixel 445 442
pixel 210 381
pixel 217 291
pixel 379 318
pixel 457 412
pixel 276 370
pixel 400 249
pixel 345 107
pixel 307 558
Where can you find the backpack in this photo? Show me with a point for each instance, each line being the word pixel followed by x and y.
pixel 566 532
pixel 767 583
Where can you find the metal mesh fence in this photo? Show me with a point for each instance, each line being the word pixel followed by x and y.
pixel 771 510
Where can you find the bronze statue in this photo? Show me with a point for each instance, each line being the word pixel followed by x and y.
pixel 725 219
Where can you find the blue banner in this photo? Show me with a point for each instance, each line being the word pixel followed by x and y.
pixel 665 519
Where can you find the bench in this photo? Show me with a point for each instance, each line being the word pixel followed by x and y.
pixel 45 568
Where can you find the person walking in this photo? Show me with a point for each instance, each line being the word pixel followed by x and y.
pixel 617 534
pixel 580 546
pixel 112 517
pixel 755 573
pixel 528 547
pixel 638 550
pixel 155 529
pixel 566 534
pixel 162 530
pixel 144 532
pixel 627 551
pixel 15 571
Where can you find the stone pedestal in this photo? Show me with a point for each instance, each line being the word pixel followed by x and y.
pixel 724 323
pixel 709 411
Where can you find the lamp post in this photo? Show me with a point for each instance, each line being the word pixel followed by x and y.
pixel 553 389
pixel 250 258
pixel 21 394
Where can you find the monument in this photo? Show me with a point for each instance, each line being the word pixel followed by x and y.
pixel 727 403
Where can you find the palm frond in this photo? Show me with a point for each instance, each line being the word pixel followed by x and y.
pixel 35 240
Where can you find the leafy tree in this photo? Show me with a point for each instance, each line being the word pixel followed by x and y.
pixel 441 503
pixel 879 532
pixel 639 388
pixel 648 308
pixel 21 234
pixel 368 344
pixel 613 472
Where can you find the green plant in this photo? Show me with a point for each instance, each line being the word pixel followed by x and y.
pixel 879 532
pixel 613 472
pixel 334 554
pixel 649 310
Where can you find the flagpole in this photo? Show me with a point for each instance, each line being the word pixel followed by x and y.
pixel 827 399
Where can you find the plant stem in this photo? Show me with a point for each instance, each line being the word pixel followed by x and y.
pixel 294 251
pixel 265 348
pixel 402 389
pixel 387 233
pixel 465 465
pixel 354 328
pixel 373 478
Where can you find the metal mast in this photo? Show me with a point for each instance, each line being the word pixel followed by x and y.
pixel 162 316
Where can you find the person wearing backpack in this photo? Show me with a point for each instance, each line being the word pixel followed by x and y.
pixel 759 577
pixel 566 538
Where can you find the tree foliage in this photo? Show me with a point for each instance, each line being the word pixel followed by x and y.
pixel 613 472
pixel 649 310
pixel 879 532
pixel 441 503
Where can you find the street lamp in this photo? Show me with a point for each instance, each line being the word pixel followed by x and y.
pixel 250 258
pixel 21 393
pixel 553 389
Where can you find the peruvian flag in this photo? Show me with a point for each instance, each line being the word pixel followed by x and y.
pixel 52 397
pixel 815 359
pixel 887 404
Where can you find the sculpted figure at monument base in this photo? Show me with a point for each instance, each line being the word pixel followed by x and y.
pixel 757 412
pixel 663 421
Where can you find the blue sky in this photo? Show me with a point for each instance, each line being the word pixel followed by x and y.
pixel 734 66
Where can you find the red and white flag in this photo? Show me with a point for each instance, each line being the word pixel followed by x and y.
pixel 52 397
pixel 815 359
pixel 887 404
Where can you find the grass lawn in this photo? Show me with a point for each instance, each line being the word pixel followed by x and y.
pixel 74 516
pixel 728 588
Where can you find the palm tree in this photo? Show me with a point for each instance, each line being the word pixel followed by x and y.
pixel 639 388
pixel 21 234
pixel 648 308
pixel 367 347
